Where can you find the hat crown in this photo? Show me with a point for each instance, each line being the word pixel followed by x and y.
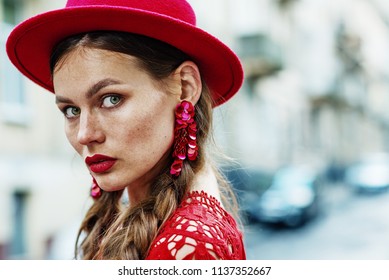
pixel 178 9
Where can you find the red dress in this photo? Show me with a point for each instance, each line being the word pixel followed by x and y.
pixel 199 229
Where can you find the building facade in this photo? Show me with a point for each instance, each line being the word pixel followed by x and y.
pixel 316 87
pixel 43 184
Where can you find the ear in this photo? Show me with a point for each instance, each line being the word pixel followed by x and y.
pixel 189 77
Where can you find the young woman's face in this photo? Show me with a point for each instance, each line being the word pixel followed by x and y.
pixel 116 117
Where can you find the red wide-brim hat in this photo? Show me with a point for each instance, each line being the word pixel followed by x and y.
pixel 30 44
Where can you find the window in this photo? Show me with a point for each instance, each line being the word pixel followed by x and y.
pixel 12 95
pixel 10 11
pixel 260 55
pixel 18 244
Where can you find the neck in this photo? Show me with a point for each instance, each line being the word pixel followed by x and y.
pixel 206 181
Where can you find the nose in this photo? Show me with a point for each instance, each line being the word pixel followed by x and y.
pixel 90 130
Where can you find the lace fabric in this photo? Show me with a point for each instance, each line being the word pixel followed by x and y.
pixel 200 229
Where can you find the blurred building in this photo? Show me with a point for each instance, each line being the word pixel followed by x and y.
pixel 43 185
pixel 316 88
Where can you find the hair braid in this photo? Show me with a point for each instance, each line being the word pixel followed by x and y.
pixel 130 236
pixel 96 222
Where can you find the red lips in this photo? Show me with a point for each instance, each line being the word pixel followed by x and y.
pixel 100 163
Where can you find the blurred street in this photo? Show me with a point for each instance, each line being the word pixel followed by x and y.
pixel 350 226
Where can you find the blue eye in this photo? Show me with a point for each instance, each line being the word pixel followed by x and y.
pixel 111 101
pixel 71 112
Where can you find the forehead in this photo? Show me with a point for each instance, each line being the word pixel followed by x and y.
pixel 87 55
pixel 83 67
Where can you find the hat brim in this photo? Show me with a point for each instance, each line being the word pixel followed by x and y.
pixel 30 44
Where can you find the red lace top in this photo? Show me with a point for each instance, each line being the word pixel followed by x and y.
pixel 199 229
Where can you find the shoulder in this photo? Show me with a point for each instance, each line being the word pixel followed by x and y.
pixel 199 229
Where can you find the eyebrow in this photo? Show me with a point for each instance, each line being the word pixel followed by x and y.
pixel 91 91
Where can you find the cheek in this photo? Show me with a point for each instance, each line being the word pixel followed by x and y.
pixel 72 138
pixel 154 134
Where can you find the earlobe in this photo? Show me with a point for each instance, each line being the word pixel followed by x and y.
pixel 190 79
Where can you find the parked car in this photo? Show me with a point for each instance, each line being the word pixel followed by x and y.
pixel 248 185
pixel 369 174
pixel 292 198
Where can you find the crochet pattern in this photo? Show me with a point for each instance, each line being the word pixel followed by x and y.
pixel 200 229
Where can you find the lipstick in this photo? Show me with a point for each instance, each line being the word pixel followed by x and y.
pixel 100 163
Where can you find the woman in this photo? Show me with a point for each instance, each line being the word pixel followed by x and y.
pixel 136 82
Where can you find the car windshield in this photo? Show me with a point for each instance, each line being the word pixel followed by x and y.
pixel 289 178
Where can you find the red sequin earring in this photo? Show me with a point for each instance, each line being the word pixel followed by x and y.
pixel 185 129
pixel 95 191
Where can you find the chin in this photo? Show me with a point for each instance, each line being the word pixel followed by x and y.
pixel 109 185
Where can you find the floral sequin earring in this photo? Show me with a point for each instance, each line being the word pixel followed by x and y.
pixel 185 145
pixel 95 191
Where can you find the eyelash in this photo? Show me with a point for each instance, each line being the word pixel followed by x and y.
pixel 110 96
pixel 105 97
pixel 64 110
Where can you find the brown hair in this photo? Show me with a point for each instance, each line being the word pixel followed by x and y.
pixel 116 232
